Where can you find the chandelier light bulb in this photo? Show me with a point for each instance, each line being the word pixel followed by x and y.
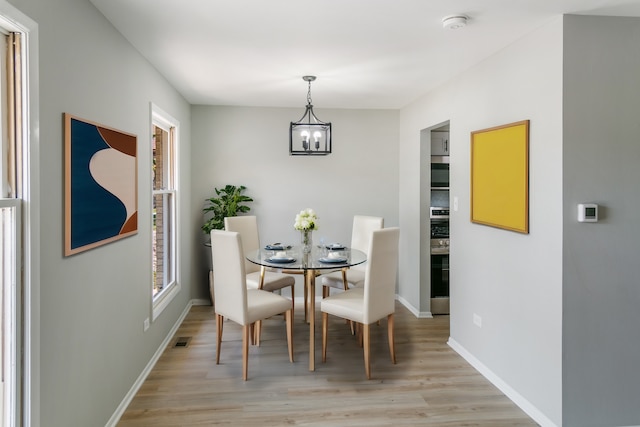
pixel 305 139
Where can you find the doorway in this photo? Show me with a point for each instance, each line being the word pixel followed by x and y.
pixel 435 148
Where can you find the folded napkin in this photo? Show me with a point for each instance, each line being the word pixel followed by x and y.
pixel 335 246
pixel 276 247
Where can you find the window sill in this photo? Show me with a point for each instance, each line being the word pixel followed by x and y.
pixel 161 301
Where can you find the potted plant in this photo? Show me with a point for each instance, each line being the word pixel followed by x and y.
pixel 229 201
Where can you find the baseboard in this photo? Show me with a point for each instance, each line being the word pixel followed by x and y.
pixel 404 302
pixel 145 373
pixel 200 302
pixel 419 314
pixel 515 397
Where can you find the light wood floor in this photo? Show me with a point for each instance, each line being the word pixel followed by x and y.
pixel 431 385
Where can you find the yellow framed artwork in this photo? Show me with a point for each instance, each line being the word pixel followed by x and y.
pixel 500 177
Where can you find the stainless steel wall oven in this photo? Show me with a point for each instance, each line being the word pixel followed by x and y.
pixel 440 261
pixel 440 175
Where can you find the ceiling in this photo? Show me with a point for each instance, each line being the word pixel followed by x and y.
pixel 379 54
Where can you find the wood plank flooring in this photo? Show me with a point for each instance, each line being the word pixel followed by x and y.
pixel 431 385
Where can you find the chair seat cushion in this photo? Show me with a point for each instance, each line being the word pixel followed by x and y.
pixel 272 280
pixel 355 279
pixel 264 304
pixel 348 305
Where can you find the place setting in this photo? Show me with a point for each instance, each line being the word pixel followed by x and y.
pixel 277 247
pixel 280 256
pixel 333 254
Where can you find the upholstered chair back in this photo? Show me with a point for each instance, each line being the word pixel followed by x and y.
pixel 230 289
pixel 247 226
pixel 380 277
pixel 361 231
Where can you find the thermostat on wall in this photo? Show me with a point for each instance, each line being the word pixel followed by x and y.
pixel 587 212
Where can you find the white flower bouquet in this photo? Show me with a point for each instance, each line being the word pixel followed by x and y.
pixel 306 220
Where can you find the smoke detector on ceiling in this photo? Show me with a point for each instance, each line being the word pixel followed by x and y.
pixel 454 22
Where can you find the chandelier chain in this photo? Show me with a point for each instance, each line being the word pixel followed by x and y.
pixel 309 93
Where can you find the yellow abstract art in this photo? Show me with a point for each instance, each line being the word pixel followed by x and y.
pixel 500 176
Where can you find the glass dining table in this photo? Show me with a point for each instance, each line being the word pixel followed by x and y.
pixel 319 260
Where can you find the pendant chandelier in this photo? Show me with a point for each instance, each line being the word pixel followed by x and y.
pixel 309 135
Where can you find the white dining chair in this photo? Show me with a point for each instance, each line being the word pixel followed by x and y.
pixel 235 302
pixel 361 231
pixel 372 302
pixel 258 277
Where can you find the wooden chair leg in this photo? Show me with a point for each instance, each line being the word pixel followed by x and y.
pixel 325 329
pixel 258 332
pixel 289 317
pixel 306 298
pixel 261 282
pixel 293 302
pixel 219 324
pixel 392 344
pixel 359 332
pixel 367 366
pixel 246 329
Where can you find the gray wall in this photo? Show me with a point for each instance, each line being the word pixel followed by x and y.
pixel 512 281
pixel 601 319
pixel 250 147
pixel 93 304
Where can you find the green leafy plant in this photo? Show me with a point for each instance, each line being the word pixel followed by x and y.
pixel 229 201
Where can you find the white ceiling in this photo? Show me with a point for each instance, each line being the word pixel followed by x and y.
pixel 365 53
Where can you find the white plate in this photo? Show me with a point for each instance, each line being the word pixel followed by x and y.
pixel 283 260
pixel 334 260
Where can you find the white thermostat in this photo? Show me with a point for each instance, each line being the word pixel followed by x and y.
pixel 587 212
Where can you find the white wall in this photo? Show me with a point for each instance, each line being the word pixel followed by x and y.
pixel 512 281
pixel 93 304
pixel 250 147
pixel 601 326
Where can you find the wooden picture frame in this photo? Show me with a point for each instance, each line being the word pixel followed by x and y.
pixel 500 177
pixel 101 191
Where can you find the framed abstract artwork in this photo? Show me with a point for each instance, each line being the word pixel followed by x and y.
pixel 500 177
pixel 101 175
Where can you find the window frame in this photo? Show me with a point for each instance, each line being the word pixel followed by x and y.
pixel 161 119
pixel 26 407
pixel 11 314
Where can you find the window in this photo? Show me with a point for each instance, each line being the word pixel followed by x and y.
pixel 164 209
pixel 19 219
pixel 11 231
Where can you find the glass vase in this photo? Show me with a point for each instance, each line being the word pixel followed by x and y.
pixel 306 240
